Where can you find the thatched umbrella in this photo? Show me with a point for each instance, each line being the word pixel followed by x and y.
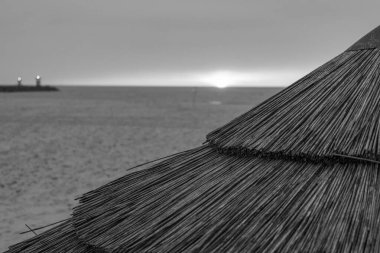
pixel 297 173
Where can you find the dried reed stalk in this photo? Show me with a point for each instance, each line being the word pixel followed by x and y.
pixel 60 239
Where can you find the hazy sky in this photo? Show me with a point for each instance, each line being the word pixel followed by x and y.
pixel 176 41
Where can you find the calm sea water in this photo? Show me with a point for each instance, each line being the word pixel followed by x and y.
pixel 252 95
pixel 58 145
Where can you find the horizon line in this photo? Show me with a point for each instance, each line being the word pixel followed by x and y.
pixel 150 85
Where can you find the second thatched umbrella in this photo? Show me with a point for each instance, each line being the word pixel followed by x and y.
pixel 297 173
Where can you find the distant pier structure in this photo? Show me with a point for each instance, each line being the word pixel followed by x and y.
pixel 19 81
pixel 38 81
pixel 20 87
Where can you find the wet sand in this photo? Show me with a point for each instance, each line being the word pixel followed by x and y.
pixel 55 146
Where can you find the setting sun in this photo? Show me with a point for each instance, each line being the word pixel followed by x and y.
pixel 223 79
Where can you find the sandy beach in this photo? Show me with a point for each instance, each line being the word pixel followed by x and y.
pixel 55 146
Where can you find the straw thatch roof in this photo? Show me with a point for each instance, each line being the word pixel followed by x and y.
pixel 298 173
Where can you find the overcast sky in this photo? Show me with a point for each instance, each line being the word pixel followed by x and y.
pixel 176 41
